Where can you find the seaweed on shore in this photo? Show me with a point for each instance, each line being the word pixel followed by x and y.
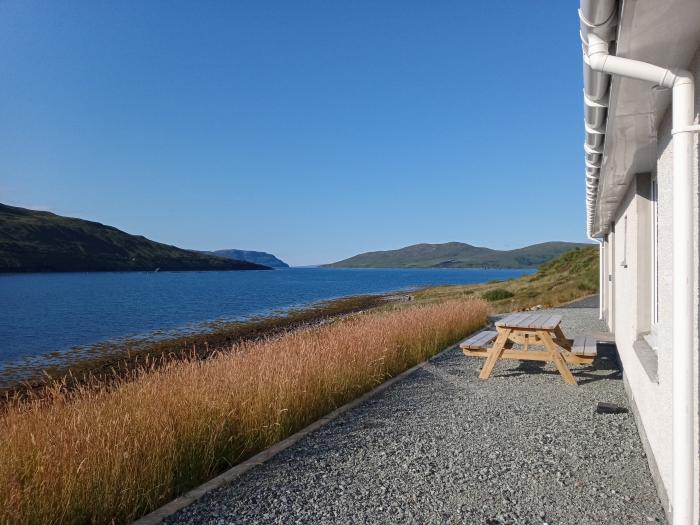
pixel 110 361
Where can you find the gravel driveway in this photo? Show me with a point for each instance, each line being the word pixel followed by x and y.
pixel 444 447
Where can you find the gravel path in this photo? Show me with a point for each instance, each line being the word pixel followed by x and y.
pixel 444 447
pixel 586 302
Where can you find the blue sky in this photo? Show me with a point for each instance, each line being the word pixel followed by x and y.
pixel 313 129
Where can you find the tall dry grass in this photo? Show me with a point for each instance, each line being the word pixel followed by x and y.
pixel 102 455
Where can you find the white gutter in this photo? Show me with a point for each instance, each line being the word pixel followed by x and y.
pixel 682 84
pixel 599 16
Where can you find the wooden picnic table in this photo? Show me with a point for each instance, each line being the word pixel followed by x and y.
pixel 526 329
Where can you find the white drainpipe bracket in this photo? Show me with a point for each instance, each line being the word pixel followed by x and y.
pixel 695 128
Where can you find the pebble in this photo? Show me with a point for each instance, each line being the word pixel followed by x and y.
pixel 442 446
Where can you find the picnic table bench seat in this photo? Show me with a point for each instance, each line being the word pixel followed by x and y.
pixel 479 343
pixel 517 334
pixel 480 340
pixel 585 345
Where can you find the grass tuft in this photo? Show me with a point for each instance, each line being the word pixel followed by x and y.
pixel 497 294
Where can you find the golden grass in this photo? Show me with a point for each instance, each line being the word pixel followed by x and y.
pixel 109 360
pixel 109 454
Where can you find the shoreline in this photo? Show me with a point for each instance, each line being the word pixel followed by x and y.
pixel 556 283
pixel 113 360
pixel 160 432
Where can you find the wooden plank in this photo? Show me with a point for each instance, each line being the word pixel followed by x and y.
pixel 525 321
pixel 526 355
pixel 487 335
pixel 488 339
pixel 535 320
pixel 585 346
pixel 532 320
pixel 495 353
pixel 480 340
pixel 519 355
pixel 513 319
pixel 475 342
pixel 468 341
pixel 518 318
pixel 539 320
pixel 474 338
pixel 517 321
pixel 561 339
pixel 507 319
pixel 579 346
pixel 546 323
pixel 551 323
pixel 577 359
pixel 475 353
pixel 591 347
pixel 557 357
pixel 530 355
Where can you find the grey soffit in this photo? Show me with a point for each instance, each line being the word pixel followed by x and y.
pixel 662 33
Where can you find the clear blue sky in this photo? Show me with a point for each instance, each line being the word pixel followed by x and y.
pixel 312 129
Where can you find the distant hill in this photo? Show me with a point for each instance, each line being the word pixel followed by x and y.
pixel 458 255
pixel 264 258
pixel 39 241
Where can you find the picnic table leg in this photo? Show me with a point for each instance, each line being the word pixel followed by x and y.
pixel 564 342
pixel 495 353
pixel 557 358
pixel 561 339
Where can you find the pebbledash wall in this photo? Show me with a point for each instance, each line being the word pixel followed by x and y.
pixel 637 305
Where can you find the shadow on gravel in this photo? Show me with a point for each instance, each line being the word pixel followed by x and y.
pixel 606 366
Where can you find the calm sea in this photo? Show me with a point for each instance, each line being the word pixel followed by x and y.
pixel 43 313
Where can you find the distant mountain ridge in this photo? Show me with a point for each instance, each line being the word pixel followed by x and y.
pixel 263 258
pixel 459 255
pixel 40 241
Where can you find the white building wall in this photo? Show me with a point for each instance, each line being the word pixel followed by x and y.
pixel 652 396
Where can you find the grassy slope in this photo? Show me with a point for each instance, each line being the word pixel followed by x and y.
pixel 571 276
pixel 38 241
pixel 458 255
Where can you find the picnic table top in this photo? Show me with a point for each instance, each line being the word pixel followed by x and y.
pixel 530 321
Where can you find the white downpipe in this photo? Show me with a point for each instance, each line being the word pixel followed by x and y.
pixel 683 492
pixel 683 438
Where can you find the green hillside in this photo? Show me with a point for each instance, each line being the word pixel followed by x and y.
pixel 39 241
pixel 459 255
pixel 566 278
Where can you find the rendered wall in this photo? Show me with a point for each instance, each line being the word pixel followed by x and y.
pixel 629 305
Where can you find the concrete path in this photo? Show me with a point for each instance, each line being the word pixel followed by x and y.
pixel 444 447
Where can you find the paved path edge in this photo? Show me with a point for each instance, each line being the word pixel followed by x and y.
pixel 157 516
